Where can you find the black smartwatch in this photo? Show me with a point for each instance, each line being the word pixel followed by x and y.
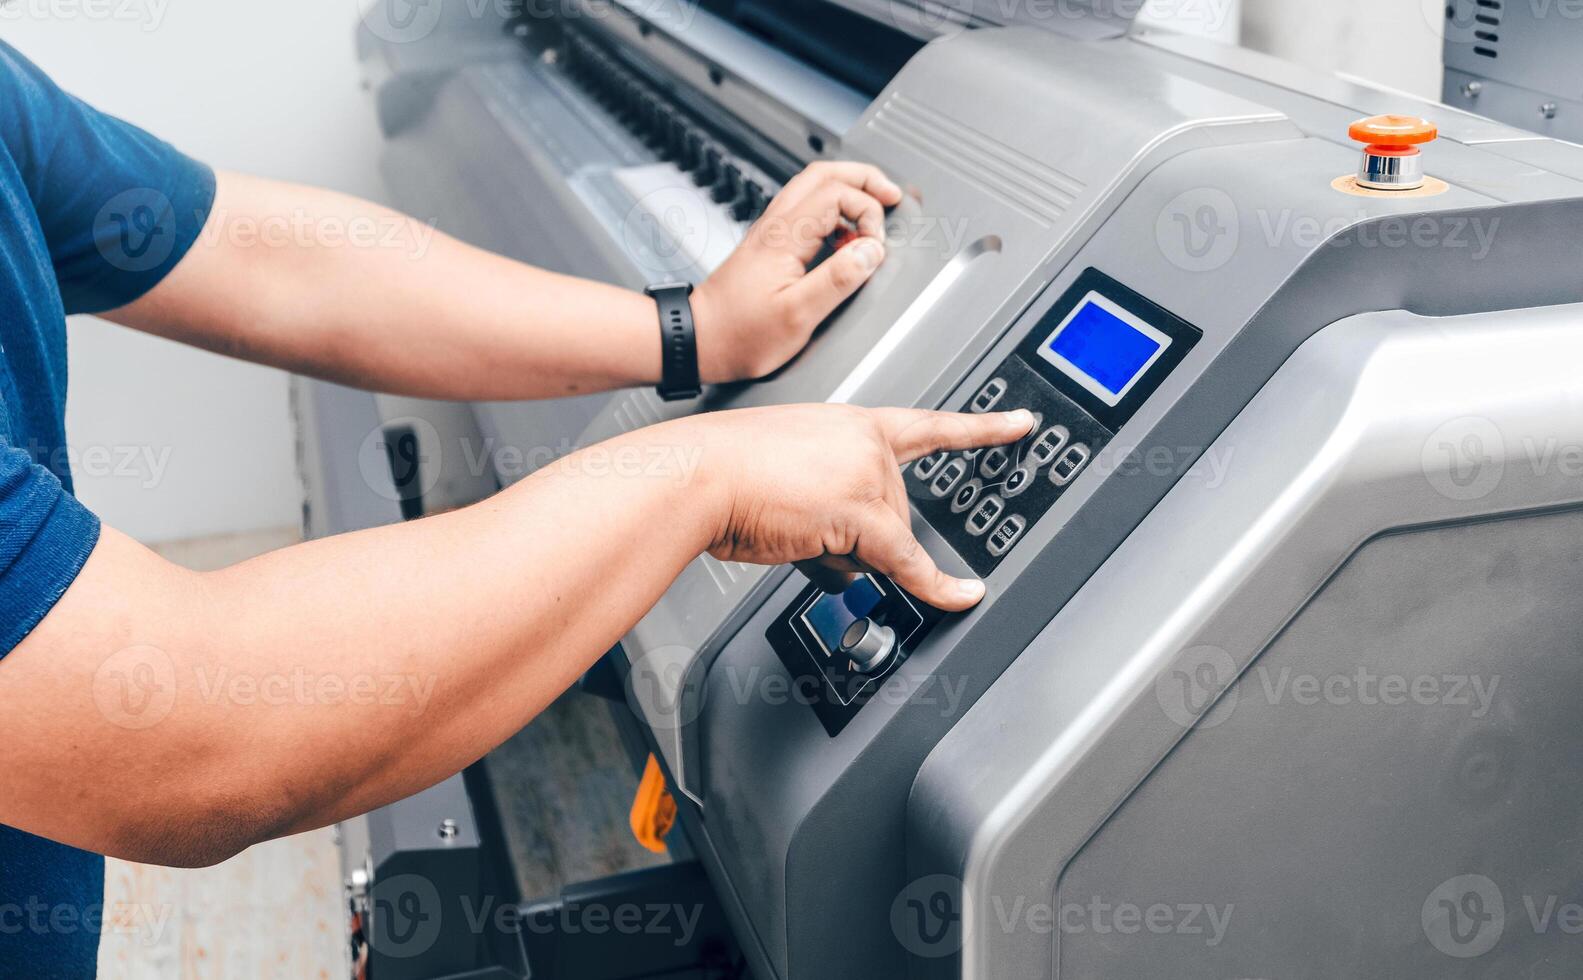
pixel 678 344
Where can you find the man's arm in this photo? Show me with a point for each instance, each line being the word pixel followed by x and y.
pixel 167 716
pixel 332 286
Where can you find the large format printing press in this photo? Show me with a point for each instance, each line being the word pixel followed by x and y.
pixel 1278 673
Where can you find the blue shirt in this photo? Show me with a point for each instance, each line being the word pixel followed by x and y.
pixel 93 213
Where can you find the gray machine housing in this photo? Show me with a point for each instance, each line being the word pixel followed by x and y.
pixel 1294 496
pixel 1516 62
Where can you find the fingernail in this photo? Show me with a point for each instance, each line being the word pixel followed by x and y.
pixel 1022 418
pixel 869 254
pixel 971 590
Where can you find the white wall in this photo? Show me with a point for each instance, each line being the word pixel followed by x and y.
pixel 1393 42
pixel 270 88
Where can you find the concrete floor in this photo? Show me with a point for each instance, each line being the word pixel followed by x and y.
pixel 274 911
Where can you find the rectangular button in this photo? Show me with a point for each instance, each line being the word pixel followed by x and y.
pixel 984 515
pixel 926 467
pixel 995 463
pixel 943 484
pixel 1048 444
pixel 1069 465
pixel 989 395
pixel 1006 535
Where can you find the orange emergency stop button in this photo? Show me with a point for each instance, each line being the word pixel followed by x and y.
pixel 1393 130
pixel 1391 159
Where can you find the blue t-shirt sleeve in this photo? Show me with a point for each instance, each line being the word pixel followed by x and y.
pixel 118 207
pixel 45 537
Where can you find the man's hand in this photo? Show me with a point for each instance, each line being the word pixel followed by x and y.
pixel 760 307
pixel 822 485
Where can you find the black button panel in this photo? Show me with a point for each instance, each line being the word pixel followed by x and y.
pixel 983 503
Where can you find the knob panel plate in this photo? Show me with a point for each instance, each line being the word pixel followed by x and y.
pixel 807 638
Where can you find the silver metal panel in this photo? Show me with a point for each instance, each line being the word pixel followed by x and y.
pixel 1379 422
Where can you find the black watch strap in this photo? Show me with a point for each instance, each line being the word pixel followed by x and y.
pixel 678 343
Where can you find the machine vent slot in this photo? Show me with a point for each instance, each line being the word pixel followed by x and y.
pixel 1487 15
pixel 1039 191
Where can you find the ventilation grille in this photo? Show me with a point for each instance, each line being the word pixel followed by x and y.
pixel 1038 191
pixel 1485 30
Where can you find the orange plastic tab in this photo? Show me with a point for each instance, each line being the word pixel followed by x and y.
pixel 1393 130
pixel 653 809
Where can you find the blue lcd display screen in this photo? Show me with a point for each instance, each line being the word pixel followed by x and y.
pixel 1103 347
pixel 830 615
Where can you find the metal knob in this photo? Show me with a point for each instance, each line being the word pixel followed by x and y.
pixel 868 645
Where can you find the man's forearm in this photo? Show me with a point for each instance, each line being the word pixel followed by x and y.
pixel 335 287
pixel 326 679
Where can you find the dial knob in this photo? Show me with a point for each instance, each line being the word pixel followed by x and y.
pixel 868 645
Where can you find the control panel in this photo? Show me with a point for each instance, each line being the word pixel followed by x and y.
pixel 1083 370
pixel 839 647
